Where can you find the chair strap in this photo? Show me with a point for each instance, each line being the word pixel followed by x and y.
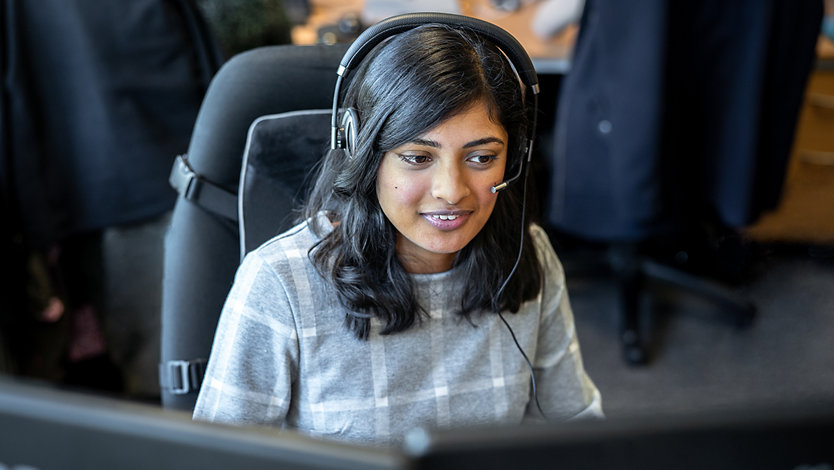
pixel 199 190
pixel 180 377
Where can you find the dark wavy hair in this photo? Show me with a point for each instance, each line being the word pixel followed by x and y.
pixel 405 87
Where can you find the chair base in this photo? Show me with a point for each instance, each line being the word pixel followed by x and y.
pixel 632 270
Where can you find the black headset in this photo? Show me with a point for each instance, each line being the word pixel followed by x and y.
pixel 343 134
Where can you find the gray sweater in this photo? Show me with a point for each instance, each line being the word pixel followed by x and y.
pixel 282 355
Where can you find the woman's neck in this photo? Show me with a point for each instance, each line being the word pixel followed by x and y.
pixel 423 262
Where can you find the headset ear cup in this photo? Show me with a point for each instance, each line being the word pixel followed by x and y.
pixel 349 129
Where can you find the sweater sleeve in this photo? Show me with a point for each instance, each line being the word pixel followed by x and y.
pixel 255 352
pixel 564 389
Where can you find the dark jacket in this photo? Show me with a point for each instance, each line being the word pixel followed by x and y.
pixel 98 99
pixel 673 110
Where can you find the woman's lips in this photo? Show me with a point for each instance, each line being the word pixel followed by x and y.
pixel 446 220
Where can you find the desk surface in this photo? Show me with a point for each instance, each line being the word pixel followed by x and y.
pixel 549 56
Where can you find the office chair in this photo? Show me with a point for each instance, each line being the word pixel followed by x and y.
pixel 673 119
pixel 203 245
pixel 634 270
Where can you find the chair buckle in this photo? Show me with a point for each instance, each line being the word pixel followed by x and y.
pixel 183 179
pixel 180 377
pixel 179 369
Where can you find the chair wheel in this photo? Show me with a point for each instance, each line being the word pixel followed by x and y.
pixel 635 354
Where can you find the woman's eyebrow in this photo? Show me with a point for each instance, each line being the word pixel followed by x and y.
pixel 426 143
pixel 474 143
pixel 485 140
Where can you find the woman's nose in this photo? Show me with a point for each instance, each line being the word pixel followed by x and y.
pixel 449 184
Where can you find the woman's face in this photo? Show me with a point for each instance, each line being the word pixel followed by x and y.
pixel 435 190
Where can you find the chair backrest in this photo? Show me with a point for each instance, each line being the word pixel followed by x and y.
pixel 203 245
pixel 281 151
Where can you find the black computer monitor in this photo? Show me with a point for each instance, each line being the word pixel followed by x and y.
pixel 792 437
pixel 45 428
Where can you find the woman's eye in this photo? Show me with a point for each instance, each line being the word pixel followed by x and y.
pixel 482 159
pixel 415 159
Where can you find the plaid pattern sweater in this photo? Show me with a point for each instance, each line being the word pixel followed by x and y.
pixel 282 355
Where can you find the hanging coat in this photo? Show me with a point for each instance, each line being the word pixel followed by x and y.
pixel 673 111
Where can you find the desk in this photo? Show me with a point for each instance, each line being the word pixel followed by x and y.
pixel 806 210
pixel 549 56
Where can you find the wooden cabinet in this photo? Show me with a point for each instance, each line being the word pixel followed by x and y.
pixel 806 211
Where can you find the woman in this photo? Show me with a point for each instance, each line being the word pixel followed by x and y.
pixel 379 312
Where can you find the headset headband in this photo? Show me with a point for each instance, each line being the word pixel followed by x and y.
pixel 398 24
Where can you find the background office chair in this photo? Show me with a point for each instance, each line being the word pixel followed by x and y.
pixel 677 118
pixel 202 249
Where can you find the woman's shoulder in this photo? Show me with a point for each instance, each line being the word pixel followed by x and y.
pixel 538 233
pixel 289 247
pixel 540 238
pixel 544 248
